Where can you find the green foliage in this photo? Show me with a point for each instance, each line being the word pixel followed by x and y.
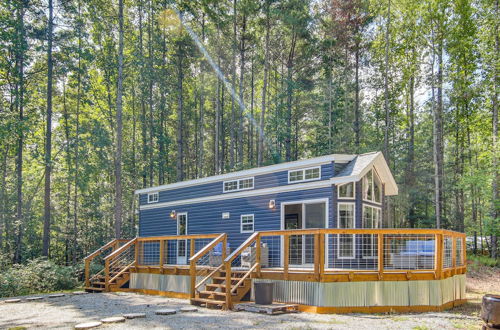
pixel 37 275
pixel 483 260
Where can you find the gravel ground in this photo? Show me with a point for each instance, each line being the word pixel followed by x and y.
pixel 65 312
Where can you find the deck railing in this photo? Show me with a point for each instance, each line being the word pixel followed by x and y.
pixel 98 257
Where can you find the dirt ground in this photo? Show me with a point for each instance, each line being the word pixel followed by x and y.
pixel 65 312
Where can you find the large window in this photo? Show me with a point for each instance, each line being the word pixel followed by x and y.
pixel 153 197
pixel 372 218
pixel 346 190
pixel 236 185
pixel 247 223
pixel 306 174
pixel 346 219
pixel 372 187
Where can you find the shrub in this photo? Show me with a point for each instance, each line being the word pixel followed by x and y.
pixel 484 260
pixel 38 275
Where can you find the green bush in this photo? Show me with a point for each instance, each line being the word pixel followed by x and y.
pixel 38 275
pixel 484 260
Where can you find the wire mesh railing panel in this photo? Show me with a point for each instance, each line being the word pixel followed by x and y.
pixel 448 252
pixel 409 251
pixel 149 253
pixel 459 256
pixel 351 251
pixel 246 259
pixel 270 251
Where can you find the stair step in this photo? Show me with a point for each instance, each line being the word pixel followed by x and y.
pixel 91 288
pixel 221 286
pixel 215 293
pixel 209 301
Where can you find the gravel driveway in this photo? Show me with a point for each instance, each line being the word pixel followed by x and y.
pixel 65 312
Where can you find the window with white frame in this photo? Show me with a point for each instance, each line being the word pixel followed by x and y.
pixel 372 218
pixel 153 197
pixel 346 219
pixel 247 223
pixel 372 187
pixel 346 190
pixel 306 174
pixel 237 185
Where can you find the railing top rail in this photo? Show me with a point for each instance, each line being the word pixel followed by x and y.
pixel 121 249
pixel 361 231
pixel 102 248
pixel 243 246
pixel 176 237
pixel 207 247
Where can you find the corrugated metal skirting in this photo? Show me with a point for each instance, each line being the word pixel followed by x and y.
pixel 365 294
pixel 173 283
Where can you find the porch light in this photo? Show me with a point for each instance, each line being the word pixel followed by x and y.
pixel 272 203
pixel 173 214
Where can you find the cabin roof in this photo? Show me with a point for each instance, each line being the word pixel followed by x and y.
pixel 356 166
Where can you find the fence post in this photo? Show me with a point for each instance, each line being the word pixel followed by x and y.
pixel 192 273
pixel 162 251
pixel 87 273
pixel 137 253
pixel 316 256
pixel 380 254
pixel 439 256
pixel 286 254
pixel 228 285
pixel 224 248
pixel 453 254
pixel 321 257
pixel 106 274
pixel 191 247
pixel 258 254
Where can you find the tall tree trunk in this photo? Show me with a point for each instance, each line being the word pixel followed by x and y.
pixel 144 133
pixel 202 106
pixel 48 139
pixel 150 94
pixel 289 101
pixel 20 137
pixel 496 172
pixel 67 236
pixel 357 114
pixel 119 127
pixel 232 132
pixel 386 83
pixel 260 147
pixel 217 134
pixel 251 121
pixel 241 89
pixel 410 175
pixel 3 202
pixel 180 110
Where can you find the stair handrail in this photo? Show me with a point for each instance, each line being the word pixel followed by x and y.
pixel 247 274
pixel 255 237
pixel 108 259
pixel 88 259
pixel 207 248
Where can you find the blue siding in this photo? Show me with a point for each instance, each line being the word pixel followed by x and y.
pixel 269 180
pixel 205 218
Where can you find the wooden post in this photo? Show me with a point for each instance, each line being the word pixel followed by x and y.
pixel 380 254
pixel 316 256
pixel 439 256
pixel 161 255
pixel 191 247
pixel 137 253
pixel 165 251
pixel 464 251
pixel 106 274
pixel 228 285
pixel 192 273
pixel 321 255
pixel 286 254
pixel 453 254
pixel 258 254
pixel 224 248
pixel 87 273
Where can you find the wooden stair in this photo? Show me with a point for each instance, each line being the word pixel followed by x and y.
pixel 98 282
pixel 214 294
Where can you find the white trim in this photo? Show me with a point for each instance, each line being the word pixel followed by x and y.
pixel 317 161
pixel 156 199
pixel 238 185
pixel 303 170
pixel 177 218
pixel 241 194
pixel 354 226
pixel 303 202
pixel 241 223
pixel 353 190
pixel 373 187
pixel 376 208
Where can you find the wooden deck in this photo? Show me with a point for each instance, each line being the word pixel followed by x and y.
pixel 377 255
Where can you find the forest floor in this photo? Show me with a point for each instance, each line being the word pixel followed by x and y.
pixel 65 312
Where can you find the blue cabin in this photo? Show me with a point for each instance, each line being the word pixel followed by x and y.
pixel 333 191
pixel 314 228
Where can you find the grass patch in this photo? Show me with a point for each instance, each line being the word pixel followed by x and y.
pixel 420 327
pixel 400 318
pixel 18 328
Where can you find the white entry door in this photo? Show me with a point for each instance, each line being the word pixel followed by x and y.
pixel 182 223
